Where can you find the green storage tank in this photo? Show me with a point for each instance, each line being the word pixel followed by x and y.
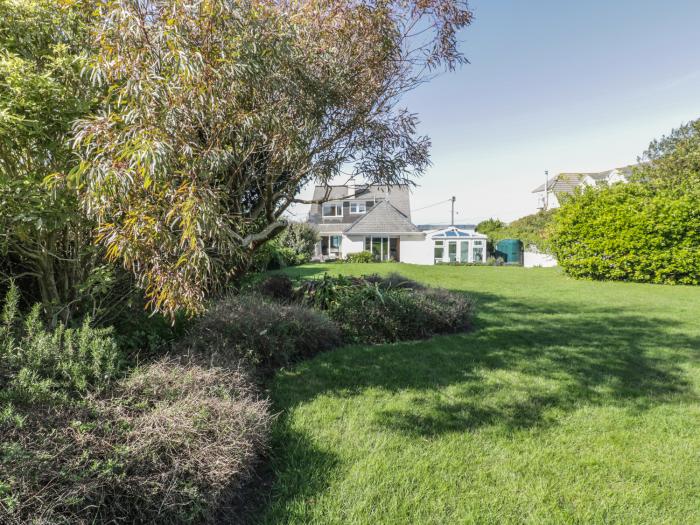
pixel 510 250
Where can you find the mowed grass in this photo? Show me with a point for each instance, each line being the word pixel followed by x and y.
pixel 569 402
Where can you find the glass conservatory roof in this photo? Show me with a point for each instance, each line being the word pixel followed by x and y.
pixel 452 234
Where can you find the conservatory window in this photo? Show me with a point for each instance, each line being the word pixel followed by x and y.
pixel 439 250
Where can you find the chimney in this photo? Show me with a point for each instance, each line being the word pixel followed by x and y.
pixel 351 187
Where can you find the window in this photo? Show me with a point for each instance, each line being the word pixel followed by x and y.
pixel 358 207
pixel 452 251
pixel 478 254
pixel 464 251
pixel 332 210
pixel 335 242
pixel 439 251
pixel 377 248
pixel 383 248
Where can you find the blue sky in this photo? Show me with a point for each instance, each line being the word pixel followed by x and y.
pixel 558 85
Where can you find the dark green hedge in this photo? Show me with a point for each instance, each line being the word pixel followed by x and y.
pixel 630 232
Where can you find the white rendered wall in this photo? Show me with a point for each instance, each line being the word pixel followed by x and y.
pixel 416 249
pixel 352 244
pixel 532 259
pixel 553 201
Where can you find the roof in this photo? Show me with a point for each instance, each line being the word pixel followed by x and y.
pixel 329 228
pixel 563 183
pixel 568 182
pixel 397 194
pixel 430 227
pixel 454 232
pixel 382 218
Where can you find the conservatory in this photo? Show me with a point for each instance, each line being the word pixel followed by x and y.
pixel 455 245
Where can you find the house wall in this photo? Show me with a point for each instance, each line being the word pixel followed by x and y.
pixel 553 201
pixel 352 244
pixel 416 249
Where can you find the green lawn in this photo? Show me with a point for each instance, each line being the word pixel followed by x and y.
pixel 570 402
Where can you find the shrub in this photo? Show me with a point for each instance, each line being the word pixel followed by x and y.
pixel 646 231
pixel 631 232
pixel 393 280
pixel 272 256
pixel 376 309
pixel 372 315
pixel 360 257
pixel 278 287
pixel 37 364
pixel 262 333
pixel 169 444
pixel 533 230
pixel 300 238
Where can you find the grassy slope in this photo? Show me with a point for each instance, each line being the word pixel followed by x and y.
pixel 571 402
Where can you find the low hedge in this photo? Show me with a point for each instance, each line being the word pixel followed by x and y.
pixel 360 257
pixel 374 309
pixel 170 443
pixel 263 333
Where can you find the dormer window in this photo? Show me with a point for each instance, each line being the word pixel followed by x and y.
pixel 358 208
pixel 332 210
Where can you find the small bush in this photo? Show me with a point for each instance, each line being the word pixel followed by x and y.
pixel 359 257
pixel 169 444
pixel 278 287
pixel 37 364
pixel 262 333
pixel 393 280
pixel 301 239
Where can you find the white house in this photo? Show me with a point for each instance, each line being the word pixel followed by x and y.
pixel 377 219
pixel 564 184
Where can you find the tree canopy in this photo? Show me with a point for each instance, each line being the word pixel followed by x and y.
pixel 219 112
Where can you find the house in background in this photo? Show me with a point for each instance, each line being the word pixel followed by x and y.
pixel 564 184
pixel 377 218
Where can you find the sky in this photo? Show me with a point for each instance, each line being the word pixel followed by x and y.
pixel 558 85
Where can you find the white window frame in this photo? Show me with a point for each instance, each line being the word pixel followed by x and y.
pixel 442 246
pixel 338 207
pixel 357 206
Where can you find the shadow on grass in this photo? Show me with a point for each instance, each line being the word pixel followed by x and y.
pixel 552 355
pixel 521 367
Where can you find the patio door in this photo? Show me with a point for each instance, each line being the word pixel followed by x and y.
pixel 452 251
pixel 464 251
pixel 383 248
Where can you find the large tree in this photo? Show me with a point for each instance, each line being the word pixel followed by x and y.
pixel 221 110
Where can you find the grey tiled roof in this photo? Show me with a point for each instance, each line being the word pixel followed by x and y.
pixel 563 183
pixel 397 194
pixel 330 228
pixel 382 218
pixel 568 182
pixel 429 227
